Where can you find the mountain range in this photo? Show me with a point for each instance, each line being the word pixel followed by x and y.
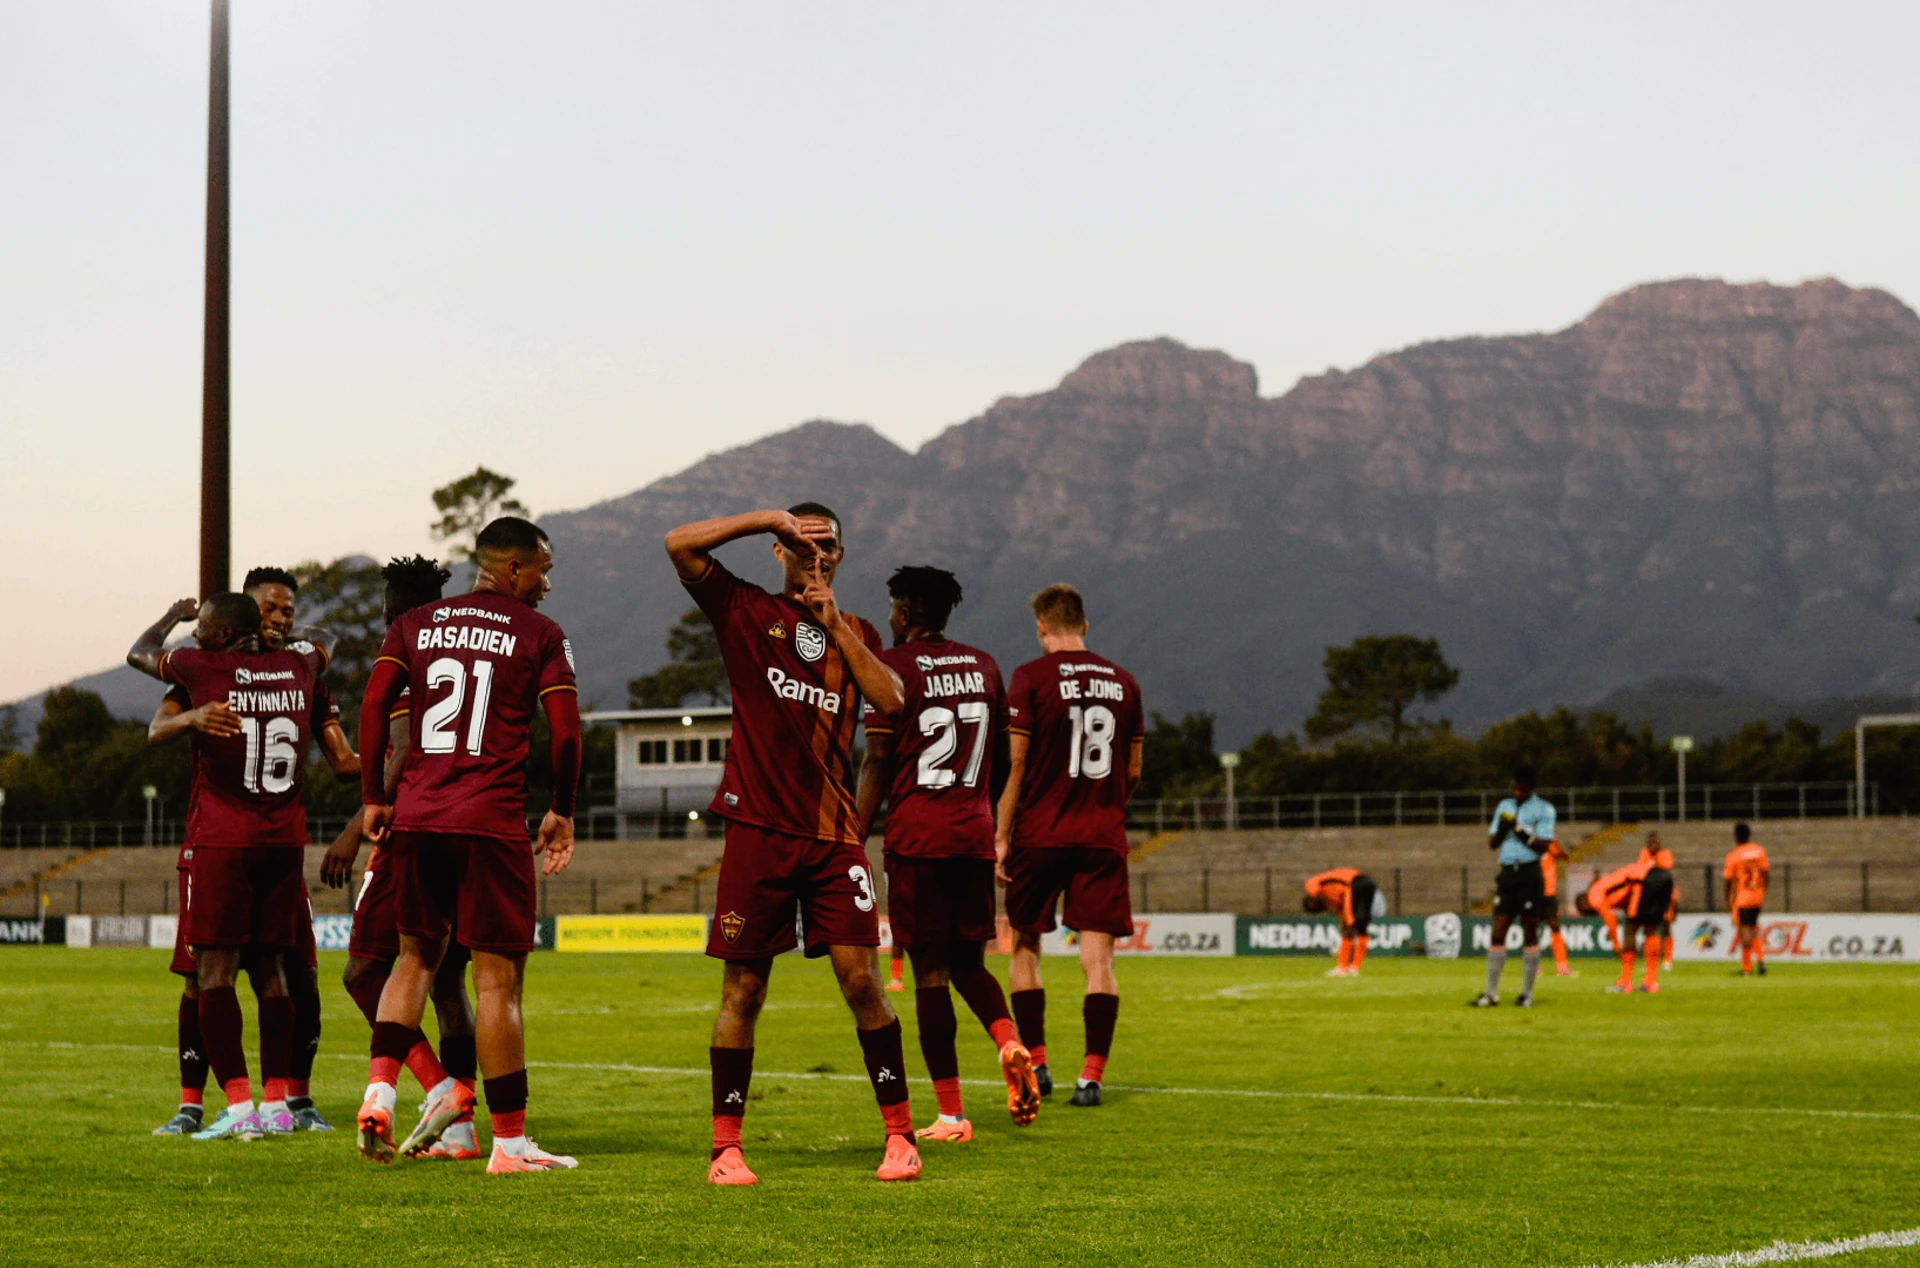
pixel 1700 482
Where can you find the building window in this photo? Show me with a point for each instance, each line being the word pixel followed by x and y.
pixel 686 752
pixel 716 750
pixel 653 752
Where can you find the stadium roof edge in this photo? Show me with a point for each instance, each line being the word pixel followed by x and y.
pixel 704 712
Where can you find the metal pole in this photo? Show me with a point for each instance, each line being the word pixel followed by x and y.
pixel 1859 769
pixel 1269 907
pixel 216 528
pixel 1396 891
pixel 1463 892
pixel 1865 904
pixel 1683 785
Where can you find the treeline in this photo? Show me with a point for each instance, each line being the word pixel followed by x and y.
pixel 1568 748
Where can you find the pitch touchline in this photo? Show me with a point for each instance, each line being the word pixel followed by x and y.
pixel 1388 1098
pixel 1790 1252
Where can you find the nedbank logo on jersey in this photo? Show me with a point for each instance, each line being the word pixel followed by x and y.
pixel 809 640
pixel 243 675
pixel 790 688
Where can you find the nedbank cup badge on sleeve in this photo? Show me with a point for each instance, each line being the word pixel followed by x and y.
pixel 1443 936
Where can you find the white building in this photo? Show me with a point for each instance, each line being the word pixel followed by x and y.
pixel 667 761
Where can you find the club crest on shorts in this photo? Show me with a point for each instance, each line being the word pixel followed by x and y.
pixel 731 924
pixel 809 640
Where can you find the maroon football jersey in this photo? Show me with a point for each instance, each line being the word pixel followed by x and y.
pixel 939 805
pixel 477 665
pixel 1081 714
pixel 246 787
pixel 795 707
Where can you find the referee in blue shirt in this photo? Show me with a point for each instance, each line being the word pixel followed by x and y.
pixel 1522 822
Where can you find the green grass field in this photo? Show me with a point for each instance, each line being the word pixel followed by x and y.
pixel 1256 1112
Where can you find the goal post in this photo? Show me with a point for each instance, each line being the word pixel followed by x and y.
pixel 1860 752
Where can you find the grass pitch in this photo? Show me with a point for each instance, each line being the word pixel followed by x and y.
pixel 1256 1112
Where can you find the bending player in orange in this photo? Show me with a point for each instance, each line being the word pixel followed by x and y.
pixel 1607 898
pixel 1345 892
pixel 1652 912
pixel 1550 888
pixel 1746 877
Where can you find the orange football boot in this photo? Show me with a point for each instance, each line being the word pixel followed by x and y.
pixel 941 1129
pixel 902 1161
pixel 731 1168
pixel 1023 1087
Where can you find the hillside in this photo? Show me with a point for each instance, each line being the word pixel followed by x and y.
pixel 1699 481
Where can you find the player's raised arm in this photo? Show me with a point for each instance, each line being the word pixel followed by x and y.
pixel 152 645
pixel 691 546
pixel 562 707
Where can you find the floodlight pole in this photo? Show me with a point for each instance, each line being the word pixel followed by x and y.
pixel 1227 763
pixel 1682 745
pixel 216 526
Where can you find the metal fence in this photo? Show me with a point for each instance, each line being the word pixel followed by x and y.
pixel 1639 803
pixel 593 823
pixel 1837 886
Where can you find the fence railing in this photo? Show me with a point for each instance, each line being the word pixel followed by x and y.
pixel 1639 803
pixel 1835 886
pixel 592 823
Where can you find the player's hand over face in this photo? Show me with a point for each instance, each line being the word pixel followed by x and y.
pixel 556 842
pixel 214 718
pixel 375 822
pixel 818 597
pixel 794 535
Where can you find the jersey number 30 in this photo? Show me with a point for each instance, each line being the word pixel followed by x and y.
pixel 1090 751
pixel 943 726
pixel 437 724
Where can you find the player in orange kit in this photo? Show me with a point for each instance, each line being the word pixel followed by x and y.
pixel 1654 854
pixel 1608 897
pixel 1746 877
pixel 1347 893
pixel 1550 887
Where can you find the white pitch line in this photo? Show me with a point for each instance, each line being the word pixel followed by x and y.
pixel 1265 1094
pixel 1790 1252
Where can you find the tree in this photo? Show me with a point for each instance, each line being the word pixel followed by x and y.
pixel 9 730
pixel 1177 759
pixel 693 668
pixel 347 597
pixel 467 505
pixel 1373 681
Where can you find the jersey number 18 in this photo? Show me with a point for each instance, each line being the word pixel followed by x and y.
pixel 1090 751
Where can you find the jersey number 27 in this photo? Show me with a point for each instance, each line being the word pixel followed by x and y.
pixel 943 726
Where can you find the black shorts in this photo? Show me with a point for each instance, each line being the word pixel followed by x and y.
pixel 1520 890
pixel 1749 917
pixel 1363 891
pixel 1656 895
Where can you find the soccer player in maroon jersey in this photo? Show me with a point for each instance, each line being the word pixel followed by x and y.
pixel 375 943
pixel 798 667
pixel 273 591
pixel 1075 734
pixel 253 714
pixel 937 764
pixel 475 668
pixel 277 591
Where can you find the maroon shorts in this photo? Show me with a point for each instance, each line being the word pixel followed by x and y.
pixel 375 936
pixel 246 895
pixel 481 888
pixel 1094 879
pixel 938 902
pixel 766 877
pixel 183 962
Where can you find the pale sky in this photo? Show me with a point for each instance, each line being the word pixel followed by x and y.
pixel 588 243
